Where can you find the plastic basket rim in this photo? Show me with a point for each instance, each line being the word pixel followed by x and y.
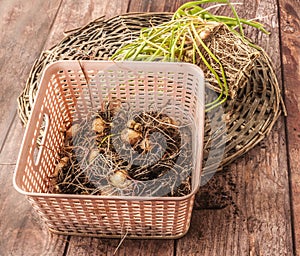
pixel 52 65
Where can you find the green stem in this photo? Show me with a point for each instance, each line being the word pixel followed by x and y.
pixel 216 102
pixel 194 4
pixel 223 85
pixel 175 43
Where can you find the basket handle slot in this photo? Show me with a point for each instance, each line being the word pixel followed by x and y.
pixel 39 144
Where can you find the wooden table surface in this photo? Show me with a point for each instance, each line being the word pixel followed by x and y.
pixel 251 209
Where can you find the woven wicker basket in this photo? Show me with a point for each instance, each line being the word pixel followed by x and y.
pixel 249 114
pixel 64 97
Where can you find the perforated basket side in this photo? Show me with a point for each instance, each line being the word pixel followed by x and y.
pixel 115 217
pixel 36 162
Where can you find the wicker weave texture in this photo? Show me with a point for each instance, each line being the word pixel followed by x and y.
pixel 248 115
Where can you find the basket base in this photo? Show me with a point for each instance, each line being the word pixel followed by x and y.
pixel 128 236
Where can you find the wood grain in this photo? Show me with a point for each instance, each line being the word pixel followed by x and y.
pixel 155 5
pixel 95 246
pixel 254 192
pixel 9 154
pixel 290 30
pixel 24 27
pixel 244 211
pixel 74 14
pixel 22 232
pixel 256 219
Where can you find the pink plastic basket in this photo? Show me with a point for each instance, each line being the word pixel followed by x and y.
pixel 65 95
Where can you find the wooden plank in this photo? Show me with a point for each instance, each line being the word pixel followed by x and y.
pixel 290 45
pixel 24 26
pixel 256 216
pixel 74 15
pixel 254 197
pixel 9 154
pixel 93 246
pixel 22 232
pixel 254 219
pixel 155 6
